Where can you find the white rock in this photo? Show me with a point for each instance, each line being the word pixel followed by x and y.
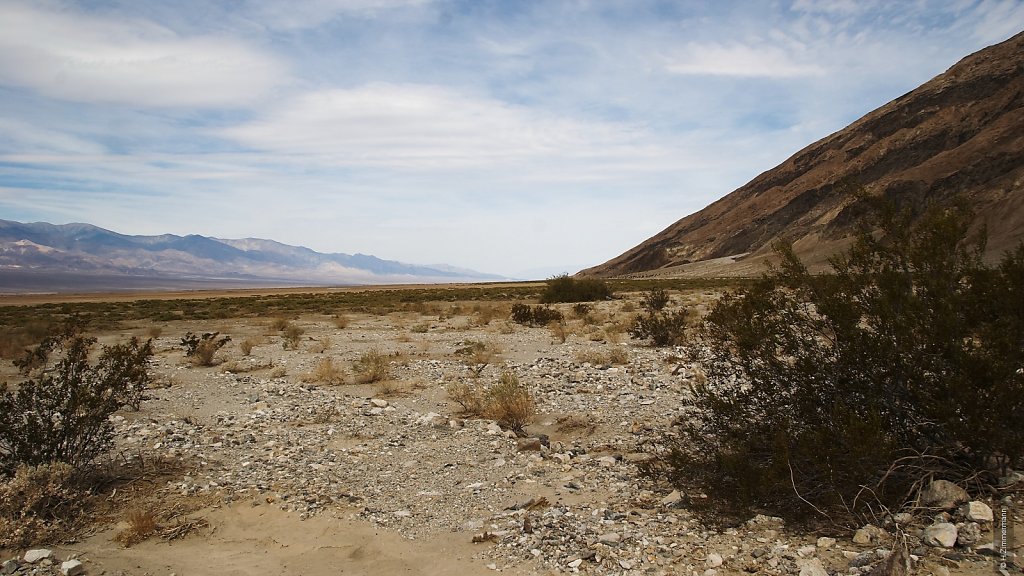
pixel 807 550
pixel 812 567
pixel 72 568
pixel 826 542
pixel 977 511
pixel 379 403
pixel 35 555
pixel 576 563
pixel 941 535
pixel 714 560
pixel 609 538
pixel 607 461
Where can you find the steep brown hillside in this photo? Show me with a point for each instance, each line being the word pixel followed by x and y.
pixel 961 133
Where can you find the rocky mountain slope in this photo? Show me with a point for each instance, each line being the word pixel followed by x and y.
pixel 961 133
pixel 43 250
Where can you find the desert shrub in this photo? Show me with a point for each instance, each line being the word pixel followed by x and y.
pixel 536 316
pixel 154 331
pixel 560 331
pixel 246 346
pixel 421 328
pixel 62 413
pixel 279 324
pixel 38 503
pixel 618 355
pixel 372 366
pixel 341 321
pixel 661 328
pixel 655 300
pixel 837 393
pixel 565 288
pixel 141 525
pixel 509 402
pixel 327 372
pixel 466 396
pixel 291 337
pixel 200 350
pixel 581 309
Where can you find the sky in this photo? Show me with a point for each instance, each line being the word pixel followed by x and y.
pixel 516 137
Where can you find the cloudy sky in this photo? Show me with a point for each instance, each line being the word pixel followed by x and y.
pixel 516 137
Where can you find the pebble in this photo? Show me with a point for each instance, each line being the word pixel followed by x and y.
pixel 714 560
pixel 812 567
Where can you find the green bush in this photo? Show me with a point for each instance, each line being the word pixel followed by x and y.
pixel 201 349
pixel 660 327
pixel 62 413
pixel 836 394
pixel 536 316
pixel 565 288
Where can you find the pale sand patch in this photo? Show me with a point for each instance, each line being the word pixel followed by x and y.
pixel 244 540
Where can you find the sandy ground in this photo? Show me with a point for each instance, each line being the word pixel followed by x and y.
pixel 244 540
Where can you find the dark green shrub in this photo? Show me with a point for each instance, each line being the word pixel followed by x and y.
pixel 522 314
pixel 536 316
pixel 581 309
pixel 664 328
pixel 201 349
pixel 655 300
pixel 62 414
pixel 565 288
pixel 542 315
pixel 836 394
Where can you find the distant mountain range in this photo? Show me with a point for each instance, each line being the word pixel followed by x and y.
pixel 45 257
pixel 960 134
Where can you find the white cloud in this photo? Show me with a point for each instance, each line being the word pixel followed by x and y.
pixel 300 14
pixel 421 126
pixel 715 59
pixel 83 58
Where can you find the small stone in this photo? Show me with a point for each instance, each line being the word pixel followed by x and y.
pixel 576 563
pixel 763 521
pixel 72 568
pixel 708 572
pixel 902 518
pixel 943 494
pixel 977 511
pixel 869 533
pixel 941 535
pixel 492 566
pixel 607 461
pixel 35 555
pixel 625 564
pixel 379 403
pixel 714 560
pixel 812 567
pixel 862 559
pixel 807 550
pixel 609 538
pixel 9 566
pixel 826 542
pixel 528 444
pixel 968 534
pixel 673 499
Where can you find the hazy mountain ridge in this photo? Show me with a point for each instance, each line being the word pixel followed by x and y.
pixel 961 133
pixel 83 248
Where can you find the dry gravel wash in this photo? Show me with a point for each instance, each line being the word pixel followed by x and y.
pixel 313 479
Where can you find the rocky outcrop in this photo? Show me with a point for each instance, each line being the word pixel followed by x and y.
pixel 961 133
